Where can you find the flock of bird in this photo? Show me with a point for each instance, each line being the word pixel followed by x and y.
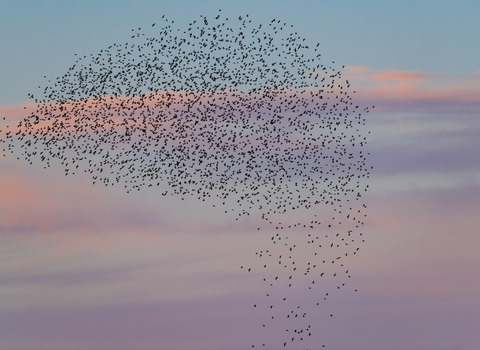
pixel 229 109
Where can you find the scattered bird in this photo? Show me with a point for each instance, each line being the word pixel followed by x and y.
pixel 221 108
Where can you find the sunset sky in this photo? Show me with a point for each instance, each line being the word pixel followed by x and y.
pixel 89 267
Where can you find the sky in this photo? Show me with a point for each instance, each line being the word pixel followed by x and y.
pixel 91 267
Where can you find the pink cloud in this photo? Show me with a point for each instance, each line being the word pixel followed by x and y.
pixel 16 112
pixel 387 89
pixel 402 76
pixel 356 69
pixel 407 90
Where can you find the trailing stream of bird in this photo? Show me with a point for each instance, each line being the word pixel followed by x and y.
pixel 230 109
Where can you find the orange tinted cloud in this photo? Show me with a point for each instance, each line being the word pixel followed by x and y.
pixel 16 112
pixel 402 76
pixel 356 69
pixel 388 88
pixel 371 85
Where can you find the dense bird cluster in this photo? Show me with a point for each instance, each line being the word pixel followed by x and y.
pixel 223 108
